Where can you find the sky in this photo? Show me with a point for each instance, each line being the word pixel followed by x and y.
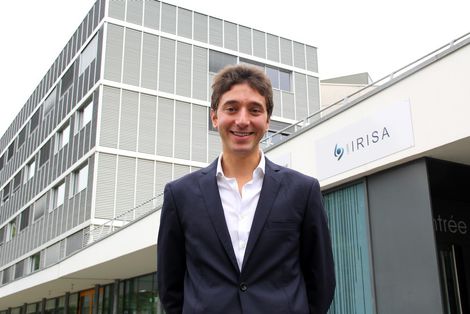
pixel 352 36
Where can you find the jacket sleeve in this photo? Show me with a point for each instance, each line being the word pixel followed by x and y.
pixel 171 256
pixel 316 255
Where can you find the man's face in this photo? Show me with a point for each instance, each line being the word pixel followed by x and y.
pixel 241 119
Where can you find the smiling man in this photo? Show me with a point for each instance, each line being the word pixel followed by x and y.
pixel 244 235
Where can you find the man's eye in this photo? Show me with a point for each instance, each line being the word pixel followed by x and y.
pixel 230 109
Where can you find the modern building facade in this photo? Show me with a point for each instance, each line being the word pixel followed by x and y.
pixel 394 167
pixel 123 109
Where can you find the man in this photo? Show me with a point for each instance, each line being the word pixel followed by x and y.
pixel 244 235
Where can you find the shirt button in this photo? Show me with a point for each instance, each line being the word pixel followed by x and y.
pixel 243 287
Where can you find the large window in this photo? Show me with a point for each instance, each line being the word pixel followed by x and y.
pixel 218 60
pixel 58 195
pixel 44 153
pixel 84 116
pixel 67 80
pixel 346 209
pixel 62 138
pixel 30 170
pixel 280 79
pixel 50 101
pixel 40 207
pixel 80 180
pixel 88 55
pixel 24 218
pixel 34 122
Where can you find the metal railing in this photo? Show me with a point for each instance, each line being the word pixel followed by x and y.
pixel 99 231
pixel 280 135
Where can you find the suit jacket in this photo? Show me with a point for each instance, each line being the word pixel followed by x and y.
pixel 288 264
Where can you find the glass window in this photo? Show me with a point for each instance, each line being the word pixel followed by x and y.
pixel 73 303
pixel 273 75
pixel 21 137
pixel 12 230
pixel 2 235
pixel 19 269
pixel 6 275
pixel 218 60
pixel 88 55
pixel 34 122
pixel 2 162
pixel 84 116
pixel 32 308
pixel 35 262
pixel 285 80
pixel 11 150
pixel 44 153
pixel 30 170
pixel 50 306
pixel 24 218
pixel 50 101
pixel 67 80
pixel 40 207
pixel 6 193
pixel 17 181
pixel 63 138
pixel 59 195
pixel 81 179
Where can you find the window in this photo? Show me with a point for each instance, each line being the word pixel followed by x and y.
pixel 17 181
pixel 284 80
pixel 84 116
pixel 80 180
pixel 6 193
pixel 11 150
pixel 2 235
pixel 2 162
pixel 273 75
pixel 218 60
pixel 30 170
pixel 50 101
pixel 34 122
pixel 24 218
pixel 67 80
pixel 40 208
pixel 59 195
pixel 12 229
pixel 6 275
pixel 19 269
pixel 88 55
pixel 62 138
pixel 44 153
pixel 35 262
pixel 21 137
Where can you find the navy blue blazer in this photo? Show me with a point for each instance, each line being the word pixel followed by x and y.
pixel 288 264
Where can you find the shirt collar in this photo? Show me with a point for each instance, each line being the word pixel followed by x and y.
pixel 259 170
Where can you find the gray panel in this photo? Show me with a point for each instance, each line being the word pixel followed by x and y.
pixel 113 59
pixel 286 51
pixel 288 110
pixel 134 12
pixel 215 146
pixel 299 55
pixel 183 70
pixel 132 47
pixel 259 44
pixel 179 171
pixel 277 103
pixel 144 185
pixel 312 60
pixel 273 47
pixel 215 31
pixel 147 123
pixel 168 18
pixel 129 116
pixel 200 27
pixel 165 127
pixel 116 9
pixel 152 14
pixel 182 130
pixel 105 186
pixel 199 133
pixel 185 23
pixel 163 175
pixel 149 61
pixel 301 106
pixel 405 259
pixel 313 94
pixel 200 71
pixel 110 117
pixel 125 186
pixel 167 65
pixel 230 36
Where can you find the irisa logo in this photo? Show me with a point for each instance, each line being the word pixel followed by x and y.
pixel 361 142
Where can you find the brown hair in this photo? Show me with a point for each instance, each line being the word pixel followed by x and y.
pixel 239 74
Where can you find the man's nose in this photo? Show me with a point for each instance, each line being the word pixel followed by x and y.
pixel 243 118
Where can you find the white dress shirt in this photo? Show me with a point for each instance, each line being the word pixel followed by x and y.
pixel 239 210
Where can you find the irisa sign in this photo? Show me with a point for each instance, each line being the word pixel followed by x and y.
pixel 376 136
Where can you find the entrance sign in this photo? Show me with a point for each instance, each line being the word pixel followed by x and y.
pixel 376 136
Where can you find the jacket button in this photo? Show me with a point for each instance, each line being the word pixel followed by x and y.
pixel 243 287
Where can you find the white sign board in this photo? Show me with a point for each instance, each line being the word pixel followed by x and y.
pixel 376 136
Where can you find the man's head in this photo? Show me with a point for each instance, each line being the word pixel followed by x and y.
pixel 239 74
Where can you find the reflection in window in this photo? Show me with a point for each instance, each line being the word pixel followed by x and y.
pixel 219 60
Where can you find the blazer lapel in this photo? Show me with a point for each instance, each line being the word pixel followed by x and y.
pixel 210 192
pixel 269 191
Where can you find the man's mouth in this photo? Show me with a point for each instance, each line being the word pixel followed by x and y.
pixel 238 133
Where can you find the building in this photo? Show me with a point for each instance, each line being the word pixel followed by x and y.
pixel 394 165
pixel 123 109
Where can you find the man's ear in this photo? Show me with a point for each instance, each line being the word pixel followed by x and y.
pixel 214 118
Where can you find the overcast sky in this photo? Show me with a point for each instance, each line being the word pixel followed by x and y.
pixel 352 36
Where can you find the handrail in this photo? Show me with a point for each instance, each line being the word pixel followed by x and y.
pixel 271 139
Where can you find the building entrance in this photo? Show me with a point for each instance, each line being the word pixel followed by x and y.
pixel 451 218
